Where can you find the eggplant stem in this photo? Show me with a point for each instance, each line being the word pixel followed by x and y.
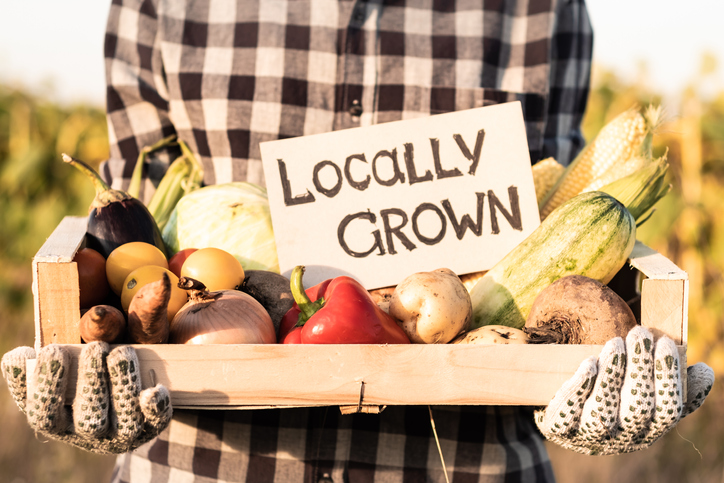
pixel 98 183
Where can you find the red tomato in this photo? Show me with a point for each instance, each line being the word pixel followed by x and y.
pixel 92 279
pixel 176 261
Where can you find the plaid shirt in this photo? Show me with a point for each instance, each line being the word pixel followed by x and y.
pixel 226 76
pixel 478 444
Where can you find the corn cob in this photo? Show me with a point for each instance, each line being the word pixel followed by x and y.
pixel 545 174
pixel 184 175
pixel 618 141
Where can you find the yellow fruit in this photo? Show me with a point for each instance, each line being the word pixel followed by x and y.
pixel 151 273
pixel 127 258
pixel 217 269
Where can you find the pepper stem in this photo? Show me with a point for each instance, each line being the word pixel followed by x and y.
pixel 307 308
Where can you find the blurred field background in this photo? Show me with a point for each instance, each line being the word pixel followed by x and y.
pixel 37 190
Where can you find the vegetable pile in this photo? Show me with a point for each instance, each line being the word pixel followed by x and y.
pixel 211 275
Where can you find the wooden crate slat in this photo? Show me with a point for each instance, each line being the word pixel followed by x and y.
pixel 293 376
pixel 56 295
pixel 65 240
pixel 664 294
pixel 57 303
pixel 664 308
pixel 655 265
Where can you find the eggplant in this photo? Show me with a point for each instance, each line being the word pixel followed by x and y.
pixel 115 217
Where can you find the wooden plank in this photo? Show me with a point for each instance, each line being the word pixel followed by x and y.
pixel 56 295
pixel 664 308
pixel 664 294
pixel 242 376
pixel 65 240
pixel 655 265
pixel 57 301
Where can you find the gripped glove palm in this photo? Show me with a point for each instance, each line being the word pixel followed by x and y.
pixel 110 413
pixel 625 399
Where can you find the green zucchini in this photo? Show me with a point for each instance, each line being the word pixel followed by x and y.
pixel 591 234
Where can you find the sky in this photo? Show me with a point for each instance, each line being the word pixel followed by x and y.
pixel 56 48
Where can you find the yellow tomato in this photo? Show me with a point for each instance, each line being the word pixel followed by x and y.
pixel 217 269
pixel 128 257
pixel 151 273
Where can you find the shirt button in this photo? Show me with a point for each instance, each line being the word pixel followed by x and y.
pixel 355 108
pixel 325 479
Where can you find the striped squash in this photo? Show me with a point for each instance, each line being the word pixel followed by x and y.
pixel 591 234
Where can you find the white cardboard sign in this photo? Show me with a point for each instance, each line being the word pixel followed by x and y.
pixel 382 202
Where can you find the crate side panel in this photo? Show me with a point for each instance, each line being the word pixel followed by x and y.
pixel 664 293
pixel 56 296
pixel 664 308
pixel 57 308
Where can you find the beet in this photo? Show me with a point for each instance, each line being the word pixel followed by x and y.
pixel 271 290
pixel 578 310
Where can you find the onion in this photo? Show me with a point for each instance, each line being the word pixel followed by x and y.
pixel 221 317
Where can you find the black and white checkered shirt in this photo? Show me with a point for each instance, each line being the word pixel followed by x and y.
pixel 227 75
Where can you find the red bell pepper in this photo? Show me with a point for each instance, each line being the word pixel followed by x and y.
pixel 336 311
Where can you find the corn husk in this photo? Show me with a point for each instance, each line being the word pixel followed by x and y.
pixel 641 190
pixel 184 175
pixel 134 188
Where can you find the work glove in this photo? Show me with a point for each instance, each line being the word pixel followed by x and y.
pixel 625 399
pixel 110 413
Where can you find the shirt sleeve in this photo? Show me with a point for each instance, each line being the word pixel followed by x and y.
pixel 137 101
pixel 571 54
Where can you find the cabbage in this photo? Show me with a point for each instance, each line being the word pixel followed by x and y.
pixel 233 217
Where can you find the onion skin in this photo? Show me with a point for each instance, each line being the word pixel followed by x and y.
pixel 222 317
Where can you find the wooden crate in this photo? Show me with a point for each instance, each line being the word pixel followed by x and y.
pixel 360 377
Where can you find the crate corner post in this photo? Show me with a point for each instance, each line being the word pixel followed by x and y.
pixel 56 294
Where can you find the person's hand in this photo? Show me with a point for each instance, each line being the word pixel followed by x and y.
pixel 110 412
pixel 624 399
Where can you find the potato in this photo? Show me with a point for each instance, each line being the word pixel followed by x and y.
pixel 432 307
pixel 578 310
pixel 492 334
pixel 271 290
